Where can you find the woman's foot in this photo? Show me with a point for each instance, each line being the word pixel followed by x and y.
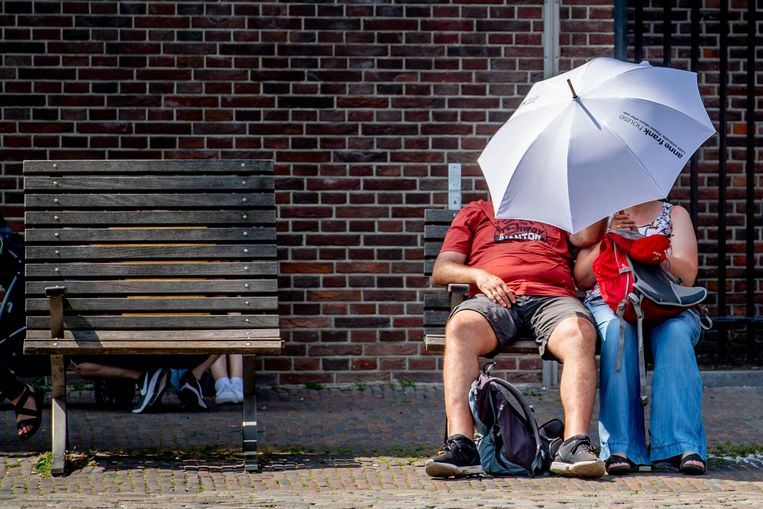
pixel 619 464
pixel 29 403
pixel 692 463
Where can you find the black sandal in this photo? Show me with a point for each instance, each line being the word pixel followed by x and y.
pixel 620 465
pixel 36 414
pixel 690 468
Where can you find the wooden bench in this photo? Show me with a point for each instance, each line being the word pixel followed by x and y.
pixel 150 257
pixel 437 307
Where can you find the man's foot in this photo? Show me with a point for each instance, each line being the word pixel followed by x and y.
pixel 575 459
pixel 190 393
pixel 151 386
pixel 459 458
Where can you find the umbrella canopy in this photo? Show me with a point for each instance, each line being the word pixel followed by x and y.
pixel 602 137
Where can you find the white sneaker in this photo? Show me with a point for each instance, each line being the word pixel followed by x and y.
pixel 237 386
pixel 225 395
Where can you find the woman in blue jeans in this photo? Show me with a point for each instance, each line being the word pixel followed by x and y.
pixel 676 431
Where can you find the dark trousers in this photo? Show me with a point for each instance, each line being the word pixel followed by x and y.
pixel 10 385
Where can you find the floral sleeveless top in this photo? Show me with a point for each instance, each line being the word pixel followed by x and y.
pixel 661 224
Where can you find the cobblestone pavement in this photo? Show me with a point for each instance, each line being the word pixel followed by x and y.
pixel 343 448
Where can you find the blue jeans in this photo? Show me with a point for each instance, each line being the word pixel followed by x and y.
pixel 676 413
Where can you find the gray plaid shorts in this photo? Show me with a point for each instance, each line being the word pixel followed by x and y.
pixel 531 316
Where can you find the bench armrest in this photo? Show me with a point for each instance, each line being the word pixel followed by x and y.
pixel 56 295
pixel 457 293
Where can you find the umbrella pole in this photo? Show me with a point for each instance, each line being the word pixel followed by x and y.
pixel 572 89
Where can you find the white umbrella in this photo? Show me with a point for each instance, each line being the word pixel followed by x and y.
pixel 597 139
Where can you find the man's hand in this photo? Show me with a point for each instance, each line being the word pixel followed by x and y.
pixel 495 289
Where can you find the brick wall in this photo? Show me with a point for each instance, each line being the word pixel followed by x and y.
pixel 360 104
pixel 735 347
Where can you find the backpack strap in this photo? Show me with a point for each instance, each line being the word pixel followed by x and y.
pixel 704 317
pixel 621 340
pixel 624 269
pixel 636 300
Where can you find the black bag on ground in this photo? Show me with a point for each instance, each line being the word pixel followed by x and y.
pixel 509 440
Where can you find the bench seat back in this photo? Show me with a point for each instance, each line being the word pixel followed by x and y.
pixel 154 256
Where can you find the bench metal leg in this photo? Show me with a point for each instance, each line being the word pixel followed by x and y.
pixel 249 424
pixel 550 374
pixel 59 428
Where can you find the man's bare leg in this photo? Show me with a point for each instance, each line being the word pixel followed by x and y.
pixel 467 337
pixel 573 342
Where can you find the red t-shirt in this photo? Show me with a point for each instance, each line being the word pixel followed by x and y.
pixel 532 258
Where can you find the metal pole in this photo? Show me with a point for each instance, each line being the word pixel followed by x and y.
pixel 551 55
pixel 667 32
pixel 694 187
pixel 723 27
pixel 551 29
pixel 621 29
pixel 638 35
pixel 750 174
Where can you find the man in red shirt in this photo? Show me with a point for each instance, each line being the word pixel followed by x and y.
pixel 520 281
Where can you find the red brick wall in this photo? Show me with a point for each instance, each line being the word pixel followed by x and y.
pixel 360 105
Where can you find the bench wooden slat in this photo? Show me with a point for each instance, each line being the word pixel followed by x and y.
pixel 187 268
pixel 156 321
pixel 436 231
pixel 154 342
pixel 439 215
pixel 177 183
pixel 146 200
pixel 436 343
pixel 149 252
pixel 152 286
pixel 147 167
pixel 192 335
pixel 130 346
pixel 436 317
pixel 201 303
pixel 149 217
pixel 248 234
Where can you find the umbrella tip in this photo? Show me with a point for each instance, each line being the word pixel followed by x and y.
pixel 572 89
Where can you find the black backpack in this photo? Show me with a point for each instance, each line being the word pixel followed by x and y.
pixel 509 440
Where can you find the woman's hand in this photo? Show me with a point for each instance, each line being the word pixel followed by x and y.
pixel 495 289
pixel 622 221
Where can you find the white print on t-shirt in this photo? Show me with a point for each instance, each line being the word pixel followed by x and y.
pixel 506 230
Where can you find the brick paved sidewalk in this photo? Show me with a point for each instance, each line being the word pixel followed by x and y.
pixel 342 448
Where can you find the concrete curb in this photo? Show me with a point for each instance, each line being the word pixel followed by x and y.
pixel 729 378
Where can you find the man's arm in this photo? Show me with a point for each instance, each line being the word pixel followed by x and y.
pixel 450 267
pixel 590 235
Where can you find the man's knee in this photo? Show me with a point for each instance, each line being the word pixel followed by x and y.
pixel 573 337
pixel 470 333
